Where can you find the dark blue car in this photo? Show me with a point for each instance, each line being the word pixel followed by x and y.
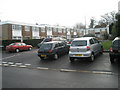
pixel 53 49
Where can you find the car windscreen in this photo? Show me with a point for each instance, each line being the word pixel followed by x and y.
pixel 46 46
pixel 12 44
pixel 79 43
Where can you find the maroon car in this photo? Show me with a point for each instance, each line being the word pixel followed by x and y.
pixel 18 46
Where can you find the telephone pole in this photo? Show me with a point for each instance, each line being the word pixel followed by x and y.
pixel 85 25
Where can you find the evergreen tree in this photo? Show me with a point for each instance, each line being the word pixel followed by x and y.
pixel 114 33
pixel 117 24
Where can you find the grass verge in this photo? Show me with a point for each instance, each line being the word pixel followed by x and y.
pixel 107 44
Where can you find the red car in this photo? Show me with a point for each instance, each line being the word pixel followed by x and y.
pixel 18 46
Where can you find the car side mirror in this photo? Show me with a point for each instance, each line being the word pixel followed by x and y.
pixel 100 41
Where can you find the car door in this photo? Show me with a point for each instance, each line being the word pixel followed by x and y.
pixel 92 45
pixel 97 46
pixel 62 47
pixel 58 48
pixel 65 47
pixel 19 46
pixel 24 46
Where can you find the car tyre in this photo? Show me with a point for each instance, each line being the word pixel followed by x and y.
pixel 42 58
pixel 17 50
pixel 30 49
pixel 55 56
pixel 112 60
pixel 101 52
pixel 92 58
pixel 71 59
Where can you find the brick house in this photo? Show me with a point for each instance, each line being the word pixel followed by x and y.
pixel 21 31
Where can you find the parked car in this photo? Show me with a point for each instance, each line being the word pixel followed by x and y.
pixel 52 49
pixel 115 50
pixel 84 47
pixel 18 46
pixel 50 39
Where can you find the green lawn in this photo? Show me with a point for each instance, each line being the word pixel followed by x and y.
pixel 107 44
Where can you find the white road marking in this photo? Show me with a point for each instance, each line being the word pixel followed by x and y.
pixel 67 70
pixel 18 63
pixel 22 66
pixel 42 68
pixel 10 63
pixel 13 65
pixel 10 57
pixel 5 65
pixel 27 64
pixel 4 62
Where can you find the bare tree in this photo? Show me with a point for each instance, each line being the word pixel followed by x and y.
pixel 109 18
pixel 92 22
pixel 80 26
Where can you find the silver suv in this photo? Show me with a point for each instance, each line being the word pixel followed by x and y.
pixel 85 47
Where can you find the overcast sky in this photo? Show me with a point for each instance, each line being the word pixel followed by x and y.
pixel 63 12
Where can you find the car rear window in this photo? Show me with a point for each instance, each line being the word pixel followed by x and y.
pixel 48 39
pixel 45 46
pixel 79 43
pixel 116 43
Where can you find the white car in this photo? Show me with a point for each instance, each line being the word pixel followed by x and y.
pixel 84 47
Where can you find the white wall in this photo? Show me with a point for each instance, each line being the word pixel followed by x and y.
pixel 49 31
pixel 35 33
pixel 16 33
pixel 16 30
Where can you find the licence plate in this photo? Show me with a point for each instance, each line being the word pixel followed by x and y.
pixel 78 55
pixel 43 55
pixel 118 50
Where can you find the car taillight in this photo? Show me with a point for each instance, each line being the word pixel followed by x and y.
pixel 50 51
pixel 111 49
pixel 69 42
pixel 88 47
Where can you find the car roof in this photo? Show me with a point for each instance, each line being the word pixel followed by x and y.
pixel 83 38
pixel 53 42
pixel 117 38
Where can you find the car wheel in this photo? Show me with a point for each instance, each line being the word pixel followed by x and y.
pixel 17 50
pixel 30 49
pixel 101 52
pixel 112 60
pixel 42 58
pixel 71 59
pixel 92 58
pixel 56 56
pixel 10 51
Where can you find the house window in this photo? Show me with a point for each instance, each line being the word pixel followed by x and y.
pixel 54 29
pixel 42 29
pixel 16 27
pixel 27 28
pixel 59 30
pixel 36 37
pixel 16 37
pixel 35 28
pixel 71 30
pixel 64 31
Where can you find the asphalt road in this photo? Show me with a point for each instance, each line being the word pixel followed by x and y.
pixel 26 70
